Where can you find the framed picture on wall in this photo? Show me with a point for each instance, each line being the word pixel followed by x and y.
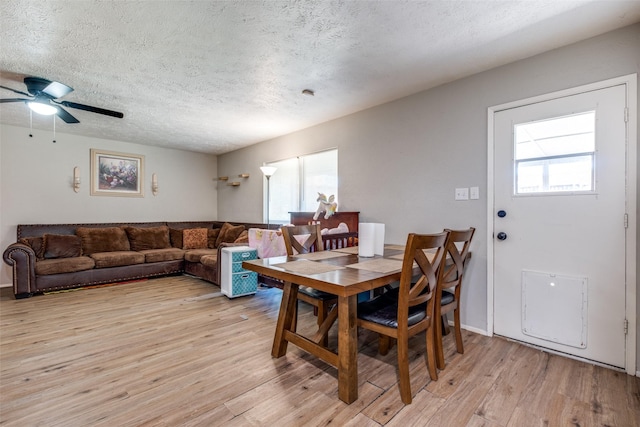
pixel 116 174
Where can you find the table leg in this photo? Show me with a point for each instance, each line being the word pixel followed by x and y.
pixel 347 349
pixel 286 317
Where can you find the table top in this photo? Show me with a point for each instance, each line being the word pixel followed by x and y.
pixel 340 272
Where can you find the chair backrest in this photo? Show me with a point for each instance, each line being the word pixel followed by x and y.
pixel 428 252
pixel 458 252
pixel 314 241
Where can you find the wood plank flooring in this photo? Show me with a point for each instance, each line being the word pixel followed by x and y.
pixel 167 352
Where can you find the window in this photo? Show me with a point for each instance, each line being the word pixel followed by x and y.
pixel 555 155
pixel 295 185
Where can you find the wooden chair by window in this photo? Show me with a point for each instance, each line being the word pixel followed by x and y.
pixel 449 292
pixel 413 310
pixel 322 301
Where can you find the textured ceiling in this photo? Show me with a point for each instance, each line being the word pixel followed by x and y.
pixel 215 76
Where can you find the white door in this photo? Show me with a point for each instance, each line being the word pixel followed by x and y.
pixel 559 224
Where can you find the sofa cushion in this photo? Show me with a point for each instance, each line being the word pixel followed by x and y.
pixel 61 246
pixel 209 261
pixel 64 265
pixel 229 233
pixel 117 258
pixel 194 255
pixel 107 239
pixel 212 237
pixel 194 238
pixel 159 255
pixel 35 243
pixel 142 239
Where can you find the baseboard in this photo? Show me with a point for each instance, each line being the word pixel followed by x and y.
pixel 470 329
pixel 5 285
pixel 474 330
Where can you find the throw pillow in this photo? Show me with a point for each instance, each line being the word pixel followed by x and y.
pixel 36 243
pixel 175 234
pixel 212 237
pixel 194 238
pixel 142 239
pixel 229 233
pixel 106 239
pixel 62 246
pixel 243 237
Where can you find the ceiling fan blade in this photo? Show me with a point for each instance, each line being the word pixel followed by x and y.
pixel 92 109
pixel 57 89
pixel 15 91
pixel 66 117
pixel 13 100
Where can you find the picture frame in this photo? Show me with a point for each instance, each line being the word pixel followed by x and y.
pixel 116 174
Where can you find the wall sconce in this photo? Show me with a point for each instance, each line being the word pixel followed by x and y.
pixel 76 179
pixel 154 184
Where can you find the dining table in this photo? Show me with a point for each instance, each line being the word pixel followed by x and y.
pixel 340 272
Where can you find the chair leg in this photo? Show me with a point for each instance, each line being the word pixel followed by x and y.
pixel 437 327
pixel 294 322
pixel 403 369
pixel 456 320
pixel 321 312
pixel 432 349
pixel 383 344
pixel 322 315
pixel 445 325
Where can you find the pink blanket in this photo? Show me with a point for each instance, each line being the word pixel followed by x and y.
pixel 270 243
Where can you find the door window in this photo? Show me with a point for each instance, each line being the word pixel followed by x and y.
pixel 555 155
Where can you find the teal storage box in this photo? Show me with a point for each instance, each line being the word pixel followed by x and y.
pixel 235 281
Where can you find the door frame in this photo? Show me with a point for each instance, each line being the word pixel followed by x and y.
pixel 631 90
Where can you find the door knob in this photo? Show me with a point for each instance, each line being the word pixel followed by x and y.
pixel 502 235
pixel 502 213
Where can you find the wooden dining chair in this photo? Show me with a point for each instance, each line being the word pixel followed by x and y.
pixel 309 240
pixel 413 311
pixel 451 288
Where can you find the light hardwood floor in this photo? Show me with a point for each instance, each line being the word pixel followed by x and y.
pixel 164 352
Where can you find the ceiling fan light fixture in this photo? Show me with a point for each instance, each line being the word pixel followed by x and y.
pixel 41 108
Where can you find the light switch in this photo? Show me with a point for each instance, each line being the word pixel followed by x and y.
pixel 474 193
pixel 462 193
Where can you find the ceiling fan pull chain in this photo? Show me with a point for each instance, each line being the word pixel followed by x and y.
pixel 30 123
pixel 54 128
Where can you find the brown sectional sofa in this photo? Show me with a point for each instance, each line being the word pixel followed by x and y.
pixel 48 257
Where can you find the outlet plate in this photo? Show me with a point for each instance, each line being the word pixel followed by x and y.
pixel 474 193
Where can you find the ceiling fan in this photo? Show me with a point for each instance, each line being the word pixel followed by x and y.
pixel 43 95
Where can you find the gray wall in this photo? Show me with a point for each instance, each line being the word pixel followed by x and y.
pixel 36 184
pixel 400 162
